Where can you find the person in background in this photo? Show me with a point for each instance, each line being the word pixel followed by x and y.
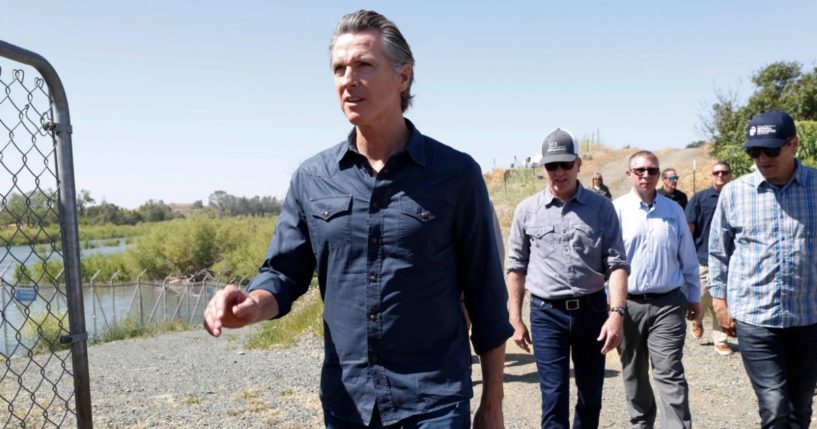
pixel 763 271
pixel 397 226
pixel 564 243
pixel 669 187
pixel 699 214
pixel 599 187
pixel 663 287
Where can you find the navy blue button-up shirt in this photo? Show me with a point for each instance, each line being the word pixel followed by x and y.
pixel 699 212
pixel 393 251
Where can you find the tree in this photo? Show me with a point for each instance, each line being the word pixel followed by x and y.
pixel 778 86
pixel 156 211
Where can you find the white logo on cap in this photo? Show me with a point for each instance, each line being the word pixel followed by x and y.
pixel 752 131
pixel 763 130
pixel 554 147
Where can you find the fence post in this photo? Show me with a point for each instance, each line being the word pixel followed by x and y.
pixel 139 288
pixel 93 300
pixel 113 294
pixel 5 305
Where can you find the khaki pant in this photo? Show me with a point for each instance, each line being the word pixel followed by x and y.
pixel 706 306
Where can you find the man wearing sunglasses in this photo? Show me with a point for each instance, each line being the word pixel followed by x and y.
pixel 763 271
pixel 564 243
pixel 699 214
pixel 669 187
pixel 663 287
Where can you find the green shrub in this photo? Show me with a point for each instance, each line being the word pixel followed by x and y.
pixel 44 330
pixel 126 328
pixel 807 137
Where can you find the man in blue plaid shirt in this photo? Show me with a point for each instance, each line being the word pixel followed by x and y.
pixel 763 271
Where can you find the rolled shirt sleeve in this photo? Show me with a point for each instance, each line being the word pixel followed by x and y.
pixel 480 268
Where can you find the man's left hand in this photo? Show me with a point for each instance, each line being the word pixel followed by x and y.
pixel 489 417
pixel 693 310
pixel 611 332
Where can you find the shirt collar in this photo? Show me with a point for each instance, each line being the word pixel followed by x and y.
pixel 799 176
pixel 415 146
pixel 579 196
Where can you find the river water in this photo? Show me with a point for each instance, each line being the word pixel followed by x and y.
pixel 103 303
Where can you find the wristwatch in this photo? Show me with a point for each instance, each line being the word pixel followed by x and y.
pixel 620 310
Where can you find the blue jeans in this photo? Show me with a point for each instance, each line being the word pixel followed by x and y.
pixel 456 416
pixel 555 331
pixel 781 363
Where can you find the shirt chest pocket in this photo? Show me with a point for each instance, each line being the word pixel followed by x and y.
pixel 587 242
pixel 424 226
pixel 332 221
pixel 543 240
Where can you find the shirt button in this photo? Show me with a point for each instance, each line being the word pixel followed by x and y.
pixel 372 278
pixel 375 240
pixel 375 205
pixel 386 170
pixel 424 215
pixel 373 316
pixel 325 214
pixel 373 358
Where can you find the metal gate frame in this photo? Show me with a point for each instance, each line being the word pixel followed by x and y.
pixel 61 132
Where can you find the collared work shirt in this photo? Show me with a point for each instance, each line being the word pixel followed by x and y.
pixel 763 250
pixel 658 246
pixel 393 252
pixel 566 249
pixel 699 212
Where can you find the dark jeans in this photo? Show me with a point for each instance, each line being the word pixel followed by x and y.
pixel 555 331
pixel 456 416
pixel 782 365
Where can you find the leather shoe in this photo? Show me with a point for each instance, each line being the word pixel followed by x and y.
pixel 697 330
pixel 723 349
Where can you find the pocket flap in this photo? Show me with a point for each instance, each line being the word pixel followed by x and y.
pixel 539 231
pixel 327 208
pixel 423 211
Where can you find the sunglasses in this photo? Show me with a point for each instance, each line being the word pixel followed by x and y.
pixel 567 165
pixel 652 171
pixel 672 178
pixel 771 152
pixel 721 173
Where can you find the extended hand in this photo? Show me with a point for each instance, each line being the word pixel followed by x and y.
pixel 230 308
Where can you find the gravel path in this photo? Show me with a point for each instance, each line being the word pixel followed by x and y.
pixel 188 379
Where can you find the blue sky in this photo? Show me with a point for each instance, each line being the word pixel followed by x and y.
pixel 173 100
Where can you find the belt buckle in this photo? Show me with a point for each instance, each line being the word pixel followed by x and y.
pixel 572 304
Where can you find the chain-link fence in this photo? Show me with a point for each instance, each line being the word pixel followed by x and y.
pixel 43 385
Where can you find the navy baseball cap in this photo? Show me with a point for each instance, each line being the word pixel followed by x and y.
pixel 770 129
pixel 559 146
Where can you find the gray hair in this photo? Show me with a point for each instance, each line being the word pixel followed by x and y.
pixel 395 45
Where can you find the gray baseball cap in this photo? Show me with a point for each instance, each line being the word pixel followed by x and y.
pixel 559 146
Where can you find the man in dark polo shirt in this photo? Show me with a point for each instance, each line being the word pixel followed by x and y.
pixel 699 214
pixel 564 243
pixel 397 226
pixel 669 187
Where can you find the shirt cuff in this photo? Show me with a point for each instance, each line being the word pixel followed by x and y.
pixel 490 337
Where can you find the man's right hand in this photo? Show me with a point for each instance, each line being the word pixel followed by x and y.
pixel 520 335
pixel 725 320
pixel 230 308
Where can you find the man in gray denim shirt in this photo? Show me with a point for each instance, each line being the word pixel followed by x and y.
pixel 564 243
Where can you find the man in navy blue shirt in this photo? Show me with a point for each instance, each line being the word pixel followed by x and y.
pixel 397 226
pixel 699 214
